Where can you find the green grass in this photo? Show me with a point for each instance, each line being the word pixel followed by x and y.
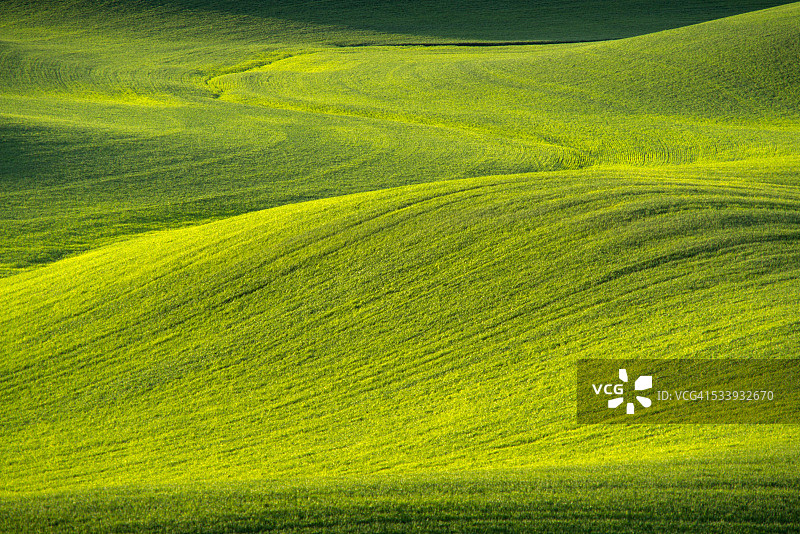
pixel 378 21
pixel 691 497
pixel 109 131
pixel 428 328
pixel 260 280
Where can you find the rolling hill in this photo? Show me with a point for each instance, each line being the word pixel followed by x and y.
pixel 390 343
pixel 109 131
pixel 428 327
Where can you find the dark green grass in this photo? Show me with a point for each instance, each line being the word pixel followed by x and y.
pixel 686 497
pixel 360 21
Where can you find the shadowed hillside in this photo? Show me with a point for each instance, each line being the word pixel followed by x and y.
pixel 347 21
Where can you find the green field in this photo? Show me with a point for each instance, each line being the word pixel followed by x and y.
pixel 310 266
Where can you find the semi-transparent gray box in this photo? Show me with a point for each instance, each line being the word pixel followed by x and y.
pixel 721 391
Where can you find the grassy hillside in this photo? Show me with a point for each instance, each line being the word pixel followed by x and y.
pixel 111 131
pixel 256 280
pixel 380 21
pixel 421 330
pixel 430 327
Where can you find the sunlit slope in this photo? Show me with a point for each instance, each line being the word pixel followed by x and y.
pixel 116 123
pixel 727 89
pixel 426 328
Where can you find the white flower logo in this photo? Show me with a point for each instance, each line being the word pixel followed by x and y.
pixel 642 383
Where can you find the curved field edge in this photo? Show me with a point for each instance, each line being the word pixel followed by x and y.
pixel 420 329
